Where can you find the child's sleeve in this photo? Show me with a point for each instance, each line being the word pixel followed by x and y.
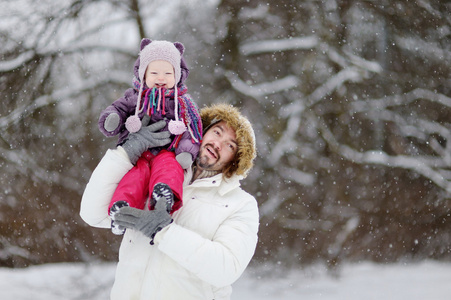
pixel 119 110
pixel 186 144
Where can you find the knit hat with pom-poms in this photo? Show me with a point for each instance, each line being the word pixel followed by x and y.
pixel 152 51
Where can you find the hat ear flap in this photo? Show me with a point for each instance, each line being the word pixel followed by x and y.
pixel 145 42
pixel 179 47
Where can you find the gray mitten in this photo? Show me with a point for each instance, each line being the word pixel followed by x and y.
pixel 184 159
pixel 147 137
pixel 148 222
pixel 111 122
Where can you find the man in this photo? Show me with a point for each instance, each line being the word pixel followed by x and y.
pixel 204 247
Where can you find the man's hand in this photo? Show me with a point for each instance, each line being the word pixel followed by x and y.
pixel 147 137
pixel 148 222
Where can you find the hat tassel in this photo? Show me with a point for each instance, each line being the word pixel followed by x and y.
pixel 133 123
pixel 176 126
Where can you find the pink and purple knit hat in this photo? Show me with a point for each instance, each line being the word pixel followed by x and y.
pixel 152 51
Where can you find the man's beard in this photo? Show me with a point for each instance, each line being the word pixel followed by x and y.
pixel 202 162
pixel 202 159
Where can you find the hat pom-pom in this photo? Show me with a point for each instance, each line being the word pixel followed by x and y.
pixel 133 124
pixel 176 127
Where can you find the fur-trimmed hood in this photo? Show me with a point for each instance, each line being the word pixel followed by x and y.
pixel 243 129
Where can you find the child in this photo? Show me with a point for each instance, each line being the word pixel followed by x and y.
pixel 159 93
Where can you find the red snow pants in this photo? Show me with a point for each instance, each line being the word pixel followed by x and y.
pixel 136 186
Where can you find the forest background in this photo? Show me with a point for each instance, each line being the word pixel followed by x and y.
pixel 350 100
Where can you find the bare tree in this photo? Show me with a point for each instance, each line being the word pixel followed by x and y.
pixel 350 101
pixel 352 108
pixel 58 71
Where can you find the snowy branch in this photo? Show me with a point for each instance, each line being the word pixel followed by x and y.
pixel 307 225
pixel 364 64
pixel 26 57
pixel 426 49
pixel 286 142
pixel 297 176
pixel 20 60
pixel 395 100
pixel 334 82
pixel 270 206
pixel 45 100
pixel 263 89
pixel 269 46
pixel 26 165
pixel 350 59
pixel 342 236
pixel 429 168
pixel 414 126
pixel 8 250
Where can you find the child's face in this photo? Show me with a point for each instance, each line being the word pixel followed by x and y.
pixel 160 73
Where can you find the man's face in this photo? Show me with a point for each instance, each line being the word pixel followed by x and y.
pixel 218 148
pixel 160 73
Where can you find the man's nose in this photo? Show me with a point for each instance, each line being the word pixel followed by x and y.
pixel 217 145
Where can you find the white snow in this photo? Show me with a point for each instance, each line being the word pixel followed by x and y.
pixel 424 280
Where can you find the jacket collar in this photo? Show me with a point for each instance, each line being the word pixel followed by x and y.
pixel 223 184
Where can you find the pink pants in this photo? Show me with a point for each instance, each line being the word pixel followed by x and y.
pixel 136 186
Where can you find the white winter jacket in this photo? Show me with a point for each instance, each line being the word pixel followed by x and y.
pixel 206 248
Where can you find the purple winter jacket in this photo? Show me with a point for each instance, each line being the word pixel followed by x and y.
pixel 125 107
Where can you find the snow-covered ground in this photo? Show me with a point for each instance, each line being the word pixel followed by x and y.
pixel 69 281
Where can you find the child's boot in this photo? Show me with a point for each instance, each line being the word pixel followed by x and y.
pixel 116 229
pixel 162 192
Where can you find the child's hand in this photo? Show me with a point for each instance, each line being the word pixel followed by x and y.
pixel 184 159
pixel 147 137
pixel 111 122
